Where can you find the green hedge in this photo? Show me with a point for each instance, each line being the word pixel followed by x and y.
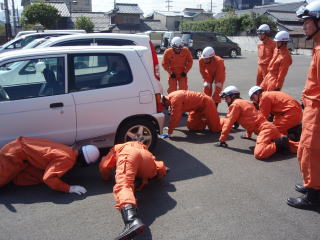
pixel 229 25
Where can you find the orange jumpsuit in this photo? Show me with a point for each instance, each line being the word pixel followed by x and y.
pixel 309 147
pixel 277 69
pixel 177 63
pixel 265 53
pixel 28 161
pixel 202 110
pixel 286 110
pixel 248 117
pixel 131 159
pixel 213 72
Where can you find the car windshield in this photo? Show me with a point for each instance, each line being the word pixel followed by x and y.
pixel 35 43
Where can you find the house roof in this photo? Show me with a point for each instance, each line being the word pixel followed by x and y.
pixel 145 25
pixel 284 16
pixel 61 7
pixel 127 8
pixel 100 20
pixel 170 13
pixel 288 7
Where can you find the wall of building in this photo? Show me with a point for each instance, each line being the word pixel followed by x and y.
pixel 127 19
pixel 81 6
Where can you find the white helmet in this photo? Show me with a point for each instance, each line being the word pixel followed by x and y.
pixel 253 90
pixel 282 36
pixel 208 52
pixel 264 28
pixel 312 10
pixel 91 153
pixel 229 91
pixel 176 42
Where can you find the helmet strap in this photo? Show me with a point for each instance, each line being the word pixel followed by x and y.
pixel 318 29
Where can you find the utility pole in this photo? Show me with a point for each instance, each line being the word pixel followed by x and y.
pixel 8 25
pixel 168 6
pixel 14 18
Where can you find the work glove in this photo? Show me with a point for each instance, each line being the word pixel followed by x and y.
pixel 221 144
pixel 165 135
pixel 183 74
pixel 173 75
pixel 205 84
pixel 77 189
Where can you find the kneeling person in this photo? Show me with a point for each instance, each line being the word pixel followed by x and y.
pixel 202 110
pixel 269 139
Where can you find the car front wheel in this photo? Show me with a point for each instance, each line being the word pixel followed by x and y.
pixel 138 130
pixel 233 53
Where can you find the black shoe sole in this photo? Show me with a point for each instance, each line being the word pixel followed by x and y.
pixel 136 231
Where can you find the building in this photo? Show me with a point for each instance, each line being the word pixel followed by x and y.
pixel 73 5
pixel 172 19
pixel 245 4
pixel 128 18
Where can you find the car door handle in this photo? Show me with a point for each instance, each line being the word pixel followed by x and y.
pixel 56 105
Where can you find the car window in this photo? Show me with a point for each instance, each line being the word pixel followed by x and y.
pixel 32 78
pixel 16 44
pixel 222 39
pixel 99 71
pixel 114 42
pixel 77 42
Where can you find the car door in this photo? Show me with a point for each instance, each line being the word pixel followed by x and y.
pixel 222 46
pixel 38 105
pixel 106 92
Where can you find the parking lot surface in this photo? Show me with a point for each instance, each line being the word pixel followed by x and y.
pixel 210 192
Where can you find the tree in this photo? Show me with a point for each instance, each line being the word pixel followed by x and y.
pixel 40 13
pixel 84 23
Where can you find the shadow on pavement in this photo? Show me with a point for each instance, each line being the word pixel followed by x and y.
pixel 87 177
pixel 199 137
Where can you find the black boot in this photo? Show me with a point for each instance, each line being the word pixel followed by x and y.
pixel 311 200
pixel 133 224
pixel 301 189
pixel 236 125
pixel 282 144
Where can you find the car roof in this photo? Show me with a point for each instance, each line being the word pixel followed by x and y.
pixel 66 50
pixel 139 38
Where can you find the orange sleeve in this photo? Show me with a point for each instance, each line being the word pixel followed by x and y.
pixel 107 163
pixel 265 107
pixel 166 62
pixel 231 118
pixel 189 61
pixel 175 115
pixel 203 70
pixel 55 170
pixel 219 79
pixel 283 70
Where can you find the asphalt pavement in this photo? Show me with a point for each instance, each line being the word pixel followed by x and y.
pixel 210 192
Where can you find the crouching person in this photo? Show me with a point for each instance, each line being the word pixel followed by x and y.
pixel 269 139
pixel 30 161
pixel 202 111
pixel 131 160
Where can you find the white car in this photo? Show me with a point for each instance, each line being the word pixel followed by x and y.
pixel 108 39
pixel 76 95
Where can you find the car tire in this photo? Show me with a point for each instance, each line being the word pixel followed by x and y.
pixel 233 53
pixel 198 54
pixel 158 50
pixel 138 130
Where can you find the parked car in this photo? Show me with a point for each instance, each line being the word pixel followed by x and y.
pixel 223 46
pixel 156 38
pixel 21 33
pixel 18 43
pixel 167 37
pixel 109 39
pixel 74 95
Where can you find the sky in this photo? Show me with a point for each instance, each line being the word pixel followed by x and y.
pixel 148 6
